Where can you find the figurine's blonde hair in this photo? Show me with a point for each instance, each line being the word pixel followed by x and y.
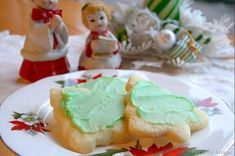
pixel 93 7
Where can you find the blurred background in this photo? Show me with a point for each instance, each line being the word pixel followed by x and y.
pixel 215 9
pixel 17 23
pixel 14 15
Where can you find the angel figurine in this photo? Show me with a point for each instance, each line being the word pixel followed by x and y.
pixel 45 46
pixel 102 48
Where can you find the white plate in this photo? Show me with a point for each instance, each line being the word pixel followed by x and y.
pixel 216 138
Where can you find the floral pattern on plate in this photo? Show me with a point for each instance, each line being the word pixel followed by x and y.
pixel 83 79
pixel 28 122
pixel 20 118
pixel 166 150
pixel 209 106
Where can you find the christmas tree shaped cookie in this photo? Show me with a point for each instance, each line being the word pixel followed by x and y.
pixel 91 114
pixel 153 111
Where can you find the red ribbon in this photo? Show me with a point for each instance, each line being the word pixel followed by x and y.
pixel 94 36
pixel 46 15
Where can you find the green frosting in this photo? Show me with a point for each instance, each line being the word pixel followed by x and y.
pixel 145 91
pixel 159 106
pixel 95 105
pixel 111 85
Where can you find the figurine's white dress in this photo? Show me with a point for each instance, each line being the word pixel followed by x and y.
pixel 45 49
pixel 39 42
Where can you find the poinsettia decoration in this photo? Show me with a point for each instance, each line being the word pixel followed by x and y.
pixel 209 106
pixel 28 122
pixel 154 150
pixel 166 150
pixel 88 77
pixel 83 79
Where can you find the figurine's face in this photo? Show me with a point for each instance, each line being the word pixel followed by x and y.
pixel 46 4
pixel 98 22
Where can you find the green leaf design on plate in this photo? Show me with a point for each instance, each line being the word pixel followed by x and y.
pixel 61 82
pixel 110 152
pixel 194 152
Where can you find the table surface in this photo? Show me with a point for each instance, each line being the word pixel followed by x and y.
pixel 220 72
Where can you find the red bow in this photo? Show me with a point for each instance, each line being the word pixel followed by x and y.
pixel 95 35
pixel 45 15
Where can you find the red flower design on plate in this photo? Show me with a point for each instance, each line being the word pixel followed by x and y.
pixel 39 127
pixel 152 150
pixel 78 81
pixel 176 152
pixel 166 150
pixel 83 79
pixel 18 125
pixel 28 122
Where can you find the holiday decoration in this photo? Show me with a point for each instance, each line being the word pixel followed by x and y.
pixel 102 48
pixel 183 40
pixel 29 123
pixel 45 48
pixel 186 48
pixel 165 8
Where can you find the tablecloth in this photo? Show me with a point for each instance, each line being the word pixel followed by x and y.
pixel 216 77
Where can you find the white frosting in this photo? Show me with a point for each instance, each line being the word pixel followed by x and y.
pixel 39 41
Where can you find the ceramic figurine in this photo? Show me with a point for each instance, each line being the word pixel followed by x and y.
pixel 45 46
pixel 102 48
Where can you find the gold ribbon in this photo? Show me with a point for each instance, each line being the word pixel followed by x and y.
pixel 191 44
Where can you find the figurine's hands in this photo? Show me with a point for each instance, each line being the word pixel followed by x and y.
pixel 101 47
pixel 55 21
pixel 104 47
pixel 95 46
